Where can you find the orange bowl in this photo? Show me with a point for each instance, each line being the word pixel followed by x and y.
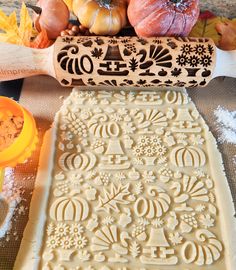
pixel 25 143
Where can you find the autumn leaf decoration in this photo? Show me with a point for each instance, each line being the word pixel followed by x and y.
pixel 24 33
pixel 41 41
pixel 113 197
pixel 12 33
pixel 222 30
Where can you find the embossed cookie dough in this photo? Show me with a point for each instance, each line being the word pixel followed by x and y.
pixel 134 180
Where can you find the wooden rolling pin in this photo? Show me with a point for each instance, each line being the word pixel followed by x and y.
pixel 120 61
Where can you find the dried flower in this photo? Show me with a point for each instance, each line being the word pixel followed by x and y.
pixel 138 151
pixel 61 229
pixel 76 229
pixel 80 242
pixel 161 150
pixel 53 241
pixel 149 151
pixel 144 141
pixel 66 242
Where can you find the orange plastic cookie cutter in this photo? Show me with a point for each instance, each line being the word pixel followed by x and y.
pixel 23 146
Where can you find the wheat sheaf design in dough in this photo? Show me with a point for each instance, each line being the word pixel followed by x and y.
pixel 137 191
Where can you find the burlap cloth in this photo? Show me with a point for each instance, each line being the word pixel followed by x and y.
pixel 43 96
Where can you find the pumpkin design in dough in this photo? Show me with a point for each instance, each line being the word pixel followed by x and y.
pixel 189 156
pixel 69 209
pixel 84 162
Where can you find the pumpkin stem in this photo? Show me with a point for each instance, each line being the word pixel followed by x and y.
pixel 175 1
pixel 105 3
pixel 36 9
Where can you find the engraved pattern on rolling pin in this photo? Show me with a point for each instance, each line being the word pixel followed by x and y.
pixel 133 61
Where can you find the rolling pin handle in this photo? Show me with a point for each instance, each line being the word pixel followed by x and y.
pixel 18 62
pixel 225 64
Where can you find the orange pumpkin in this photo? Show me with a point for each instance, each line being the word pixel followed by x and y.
pixel 51 15
pixel 101 17
pixel 163 17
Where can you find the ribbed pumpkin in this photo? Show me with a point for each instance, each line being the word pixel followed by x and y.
pixel 163 17
pixel 189 156
pixel 69 209
pixel 101 17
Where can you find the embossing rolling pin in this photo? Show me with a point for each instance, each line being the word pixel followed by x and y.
pixel 120 61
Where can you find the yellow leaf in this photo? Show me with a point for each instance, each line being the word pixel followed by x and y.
pixel 206 28
pixel 11 32
pixel 12 20
pixel 3 37
pixel 26 25
pixel 69 3
pixel 5 23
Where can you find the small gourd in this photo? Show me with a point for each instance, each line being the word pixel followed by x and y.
pixel 101 17
pixel 163 17
pixel 51 15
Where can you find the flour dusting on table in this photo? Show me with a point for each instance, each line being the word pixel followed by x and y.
pixel 11 197
pixel 226 125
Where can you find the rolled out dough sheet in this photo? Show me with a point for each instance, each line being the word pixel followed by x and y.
pixel 129 180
